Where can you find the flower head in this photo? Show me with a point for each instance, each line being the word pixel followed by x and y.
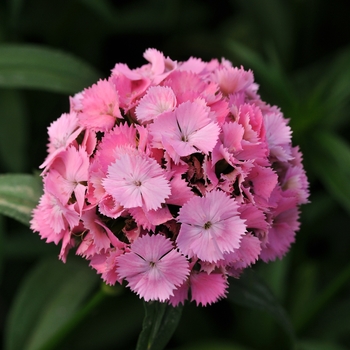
pixel 172 176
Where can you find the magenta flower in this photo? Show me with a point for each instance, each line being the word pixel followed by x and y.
pixel 153 268
pixel 211 226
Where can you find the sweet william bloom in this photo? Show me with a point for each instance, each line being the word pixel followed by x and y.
pixel 100 106
pixel 186 130
pixel 153 268
pixel 159 99
pixel 136 181
pixel 210 226
pixel 172 177
pixel 207 288
pixel 62 132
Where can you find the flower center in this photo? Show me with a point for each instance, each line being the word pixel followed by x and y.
pixel 184 138
pixel 137 183
pixel 207 225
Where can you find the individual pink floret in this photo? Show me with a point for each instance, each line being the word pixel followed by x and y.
pixel 278 135
pixel 207 288
pixel 153 268
pixel 186 130
pixel 69 175
pixel 100 106
pixel 136 181
pixel 210 226
pixel 233 79
pixel 62 132
pixel 158 99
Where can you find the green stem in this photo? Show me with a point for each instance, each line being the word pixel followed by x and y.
pixel 324 297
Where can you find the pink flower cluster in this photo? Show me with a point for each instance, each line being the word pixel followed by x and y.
pixel 172 177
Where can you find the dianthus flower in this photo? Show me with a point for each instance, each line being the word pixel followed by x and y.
pixel 172 177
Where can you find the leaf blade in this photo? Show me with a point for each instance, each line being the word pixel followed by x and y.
pixel 19 194
pixel 159 324
pixel 35 67
pixel 48 299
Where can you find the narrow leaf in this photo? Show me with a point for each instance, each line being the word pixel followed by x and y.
pixel 47 300
pixel 251 291
pixel 19 194
pixel 159 324
pixel 34 67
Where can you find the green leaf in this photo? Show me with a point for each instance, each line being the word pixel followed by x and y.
pixel 48 300
pixel 251 291
pixel 159 324
pixel 13 126
pixel 331 161
pixel 34 67
pixel 19 194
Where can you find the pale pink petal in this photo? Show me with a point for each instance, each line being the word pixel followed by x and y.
pixel 207 289
pixel 233 79
pixel 153 268
pixel 100 106
pixel 278 135
pixel 158 99
pixel 187 130
pixel 210 226
pixel 134 181
pixel 62 133
pixel 246 254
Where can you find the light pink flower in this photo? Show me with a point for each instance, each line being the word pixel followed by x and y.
pixel 69 174
pixel 100 106
pixel 158 99
pixel 210 226
pixel 105 264
pixel 247 254
pixel 62 132
pixel 207 288
pixel 136 181
pixel 153 268
pixel 185 131
pixel 233 79
pixel 158 68
pixel 278 135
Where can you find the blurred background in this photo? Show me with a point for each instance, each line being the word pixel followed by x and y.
pixel 300 54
